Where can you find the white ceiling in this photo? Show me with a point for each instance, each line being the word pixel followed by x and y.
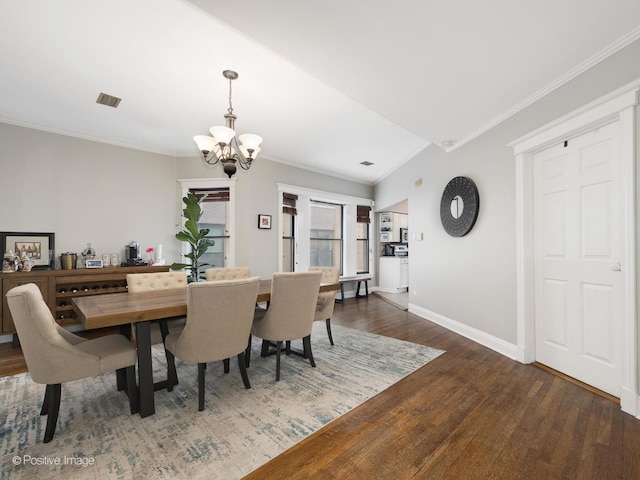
pixel 327 84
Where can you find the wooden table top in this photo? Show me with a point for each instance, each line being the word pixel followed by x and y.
pixel 112 309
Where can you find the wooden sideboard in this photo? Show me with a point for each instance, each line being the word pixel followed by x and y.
pixel 58 287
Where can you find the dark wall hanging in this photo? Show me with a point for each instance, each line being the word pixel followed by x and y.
pixel 459 206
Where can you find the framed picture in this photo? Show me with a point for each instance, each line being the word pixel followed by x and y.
pixel 38 246
pixel 264 221
pixel 385 217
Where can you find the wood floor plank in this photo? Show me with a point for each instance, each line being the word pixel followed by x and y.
pixel 469 414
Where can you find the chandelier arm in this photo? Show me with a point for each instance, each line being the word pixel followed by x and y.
pixel 210 156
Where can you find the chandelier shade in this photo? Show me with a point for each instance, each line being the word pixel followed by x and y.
pixel 222 146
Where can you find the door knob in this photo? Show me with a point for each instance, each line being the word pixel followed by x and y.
pixel 616 267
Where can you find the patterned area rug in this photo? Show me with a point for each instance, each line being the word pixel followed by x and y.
pixel 238 431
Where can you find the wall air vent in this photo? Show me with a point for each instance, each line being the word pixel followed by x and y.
pixel 366 163
pixel 108 100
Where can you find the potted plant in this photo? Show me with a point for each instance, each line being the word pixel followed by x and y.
pixel 196 238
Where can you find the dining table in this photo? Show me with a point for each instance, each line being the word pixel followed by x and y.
pixel 140 309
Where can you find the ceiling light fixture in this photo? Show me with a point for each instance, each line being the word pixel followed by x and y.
pixel 223 146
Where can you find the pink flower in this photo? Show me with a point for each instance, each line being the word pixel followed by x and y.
pixel 149 250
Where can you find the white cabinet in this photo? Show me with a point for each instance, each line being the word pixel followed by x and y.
pixel 386 227
pixel 390 225
pixel 394 274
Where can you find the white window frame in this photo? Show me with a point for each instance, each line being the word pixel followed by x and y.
pixel 204 183
pixel 302 227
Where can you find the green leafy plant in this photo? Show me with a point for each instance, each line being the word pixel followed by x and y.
pixel 196 238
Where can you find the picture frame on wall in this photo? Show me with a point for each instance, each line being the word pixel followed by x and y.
pixel 264 222
pixel 38 246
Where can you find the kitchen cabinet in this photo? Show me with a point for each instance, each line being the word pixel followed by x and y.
pixel 390 225
pixel 58 287
pixel 394 274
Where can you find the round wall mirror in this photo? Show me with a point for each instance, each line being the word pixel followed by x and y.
pixel 457 206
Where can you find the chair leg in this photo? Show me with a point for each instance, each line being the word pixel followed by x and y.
pixel 306 342
pixel 132 389
pixel 329 331
pixel 265 348
pixel 164 331
pixel 242 363
pixel 287 347
pixel 45 402
pixel 201 386
pixel 53 408
pixel 247 353
pixel 278 349
pixel 172 375
pixel 226 365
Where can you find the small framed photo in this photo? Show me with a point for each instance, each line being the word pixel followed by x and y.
pixel 264 221
pixel 385 217
pixel 38 246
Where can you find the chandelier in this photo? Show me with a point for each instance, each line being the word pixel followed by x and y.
pixel 222 145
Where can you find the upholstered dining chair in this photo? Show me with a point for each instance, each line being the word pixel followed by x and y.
pixel 226 273
pixel 149 282
pixel 55 356
pixel 219 318
pixel 326 300
pixel 289 316
pixel 216 274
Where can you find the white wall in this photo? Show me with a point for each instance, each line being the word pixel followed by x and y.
pixel 472 280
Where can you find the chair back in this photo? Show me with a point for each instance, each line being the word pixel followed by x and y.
pixel 326 300
pixel 48 348
pixel 226 273
pixel 219 319
pixel 144 282
pixel 291 308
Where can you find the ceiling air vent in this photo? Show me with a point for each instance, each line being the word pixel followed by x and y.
pixel 108 100
pixel 366 163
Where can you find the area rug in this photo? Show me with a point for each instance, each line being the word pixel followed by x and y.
pixel 238 431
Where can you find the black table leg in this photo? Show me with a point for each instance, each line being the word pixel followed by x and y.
pixel 121 374
pixel 145 370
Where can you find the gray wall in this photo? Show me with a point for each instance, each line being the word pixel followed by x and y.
pixel 87 192
pixel 91 192
pixel 472 280
pixel 257 193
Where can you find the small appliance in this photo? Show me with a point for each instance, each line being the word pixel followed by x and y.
pixel 400 250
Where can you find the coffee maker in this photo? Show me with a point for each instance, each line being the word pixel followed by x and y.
pixel 133 257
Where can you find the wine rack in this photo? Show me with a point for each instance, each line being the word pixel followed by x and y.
pixel 59 287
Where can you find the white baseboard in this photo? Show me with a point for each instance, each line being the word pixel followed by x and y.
pixel 494 343
pixel 630 402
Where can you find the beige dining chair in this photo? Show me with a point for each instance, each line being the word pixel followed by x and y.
pixel 290 314
pixel 219 318
pixel 226 273
pixel 326 300
pixel 149 282
pixel 55 356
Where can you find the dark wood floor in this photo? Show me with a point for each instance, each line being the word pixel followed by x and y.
pixel 469 414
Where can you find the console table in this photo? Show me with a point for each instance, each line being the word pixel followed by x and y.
pixel 58 287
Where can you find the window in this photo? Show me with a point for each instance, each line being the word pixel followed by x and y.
pixel 325 235
pixel 289 213
pixel 215 217
pixel 362 239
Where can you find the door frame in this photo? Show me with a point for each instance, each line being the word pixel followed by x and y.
pixel 616 106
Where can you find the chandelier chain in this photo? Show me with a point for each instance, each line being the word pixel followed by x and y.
pixel 230 104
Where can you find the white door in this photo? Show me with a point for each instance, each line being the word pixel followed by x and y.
pixel 578 257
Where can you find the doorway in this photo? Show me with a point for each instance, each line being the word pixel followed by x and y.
pixel 618 110
pixel 578 292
